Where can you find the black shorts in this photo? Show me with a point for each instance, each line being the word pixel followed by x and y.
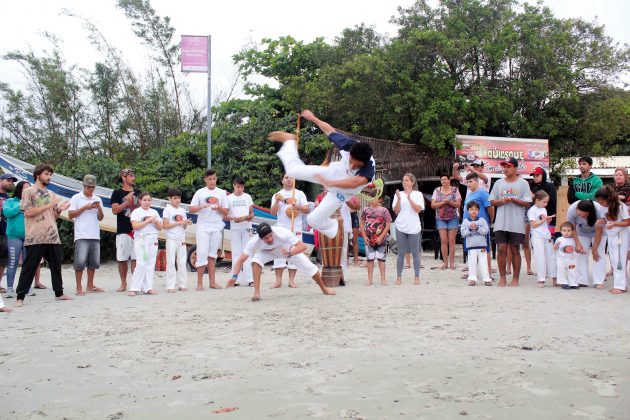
pixel 4 251
pixel 512 238
pixel 354 216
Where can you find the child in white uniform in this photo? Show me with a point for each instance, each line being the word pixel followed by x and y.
pixel 146 223
pixel 240 214
pixel 541 241
pixel 565 258
pixel 175 223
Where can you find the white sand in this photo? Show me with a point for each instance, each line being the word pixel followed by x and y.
pixel 439 350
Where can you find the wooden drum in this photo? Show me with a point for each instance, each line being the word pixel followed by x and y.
pixel 331 249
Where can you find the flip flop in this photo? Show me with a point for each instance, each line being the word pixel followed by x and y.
pixel 40 286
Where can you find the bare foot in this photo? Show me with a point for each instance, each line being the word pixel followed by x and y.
pixel 216 286
pixel 329 291
pixel 502 283
pixel 199 288
pixel 472 283
pixel 513 283
pixel 487 283
pixel 170 290
pixel 6 309
pixel 80 293
pixel 19 303
pixel 94 289
pixel 276 285
pixel 132 293
pixel 600 286
pixel 443 267
pixel 369 283
pixel 416 280
pixel 183 289
pixel 122 287
pixel 151 292
pixel 63 297
pixel 398 282
pixel 384 283
pixel 280 136
pixel 230 283
pixel 256 297
pixel 292 284
pixel 541 284
pixel 617 291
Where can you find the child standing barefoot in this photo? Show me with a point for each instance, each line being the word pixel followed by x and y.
pixel 541 241
pixel 565 258
pixel 146 223
pixel 374 227
pixel 175 222
pixel 474 231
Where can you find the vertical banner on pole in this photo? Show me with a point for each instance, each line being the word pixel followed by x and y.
pixel 196 57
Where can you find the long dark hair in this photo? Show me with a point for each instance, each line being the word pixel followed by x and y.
pixel 609 195
pixel 17 192
pixel 589 207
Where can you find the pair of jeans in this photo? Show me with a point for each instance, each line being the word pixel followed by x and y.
pixel 16 248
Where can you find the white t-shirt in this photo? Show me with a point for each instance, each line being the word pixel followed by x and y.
pixel 139 215
pixel 86 224
pixel 581 224
pixel 566 245
pixel 239 206
pixel 283 238
pixel 341 170
pixel 283 219
pixel 407 220
pixel 209 219
pixel 172 214
pixel 536 213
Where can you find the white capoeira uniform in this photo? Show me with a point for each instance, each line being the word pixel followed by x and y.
pixel 210 224
pixel 145 243
pixel 175 248
pixel 240 233
pixel 542 245
pixel 285 221
pixel 319 218
pixel 586 235
pixel 565 262
pixel 618 249
pixel 261 253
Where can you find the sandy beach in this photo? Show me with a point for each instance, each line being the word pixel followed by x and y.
pixel 440 350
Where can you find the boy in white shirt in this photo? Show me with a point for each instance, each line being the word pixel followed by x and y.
pixel 211 206
pixel 86 209
pixel 175 223
pixel 565 258
pixel 270 243
pixel 240 214
pixel 146 223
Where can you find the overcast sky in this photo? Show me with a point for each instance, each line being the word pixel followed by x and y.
pixel 232 24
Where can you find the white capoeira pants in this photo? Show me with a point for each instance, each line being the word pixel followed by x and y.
pixel 208 243
pixel 544 258
pixel 319 218
pixel 283 262
pixel 300 261
pixel 175 253
pixel 599 267
pixel 618 252
pixel 478 258
pixel 146 247
pixel 566 271
pixel 238 240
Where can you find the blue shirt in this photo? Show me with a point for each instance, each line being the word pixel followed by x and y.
pixel 482 198
pixel 343 142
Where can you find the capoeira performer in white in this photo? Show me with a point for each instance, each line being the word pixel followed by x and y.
pixel 343 179
pixel 276 242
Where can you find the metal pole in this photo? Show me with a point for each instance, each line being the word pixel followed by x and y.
pixel 209 104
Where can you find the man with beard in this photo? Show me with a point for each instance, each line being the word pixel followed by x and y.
pixel 6 185
pixel 41 209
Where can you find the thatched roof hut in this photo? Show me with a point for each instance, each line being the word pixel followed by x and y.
pixel 394 159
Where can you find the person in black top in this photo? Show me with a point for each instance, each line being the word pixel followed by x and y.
pixel 540 182
pixel 6 185
pixel 124 200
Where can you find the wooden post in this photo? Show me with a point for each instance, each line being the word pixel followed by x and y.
pixel 562 206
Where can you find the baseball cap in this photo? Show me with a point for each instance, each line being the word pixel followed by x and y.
pixel 127 171
pixel 538 171
pixel 477 162
pixel 511 161
pixel 8 176
pixel 89 180
pixel 263 229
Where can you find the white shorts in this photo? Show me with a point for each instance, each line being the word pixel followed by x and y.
pixel 125 250
pixel 300 261
pixel 208 244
